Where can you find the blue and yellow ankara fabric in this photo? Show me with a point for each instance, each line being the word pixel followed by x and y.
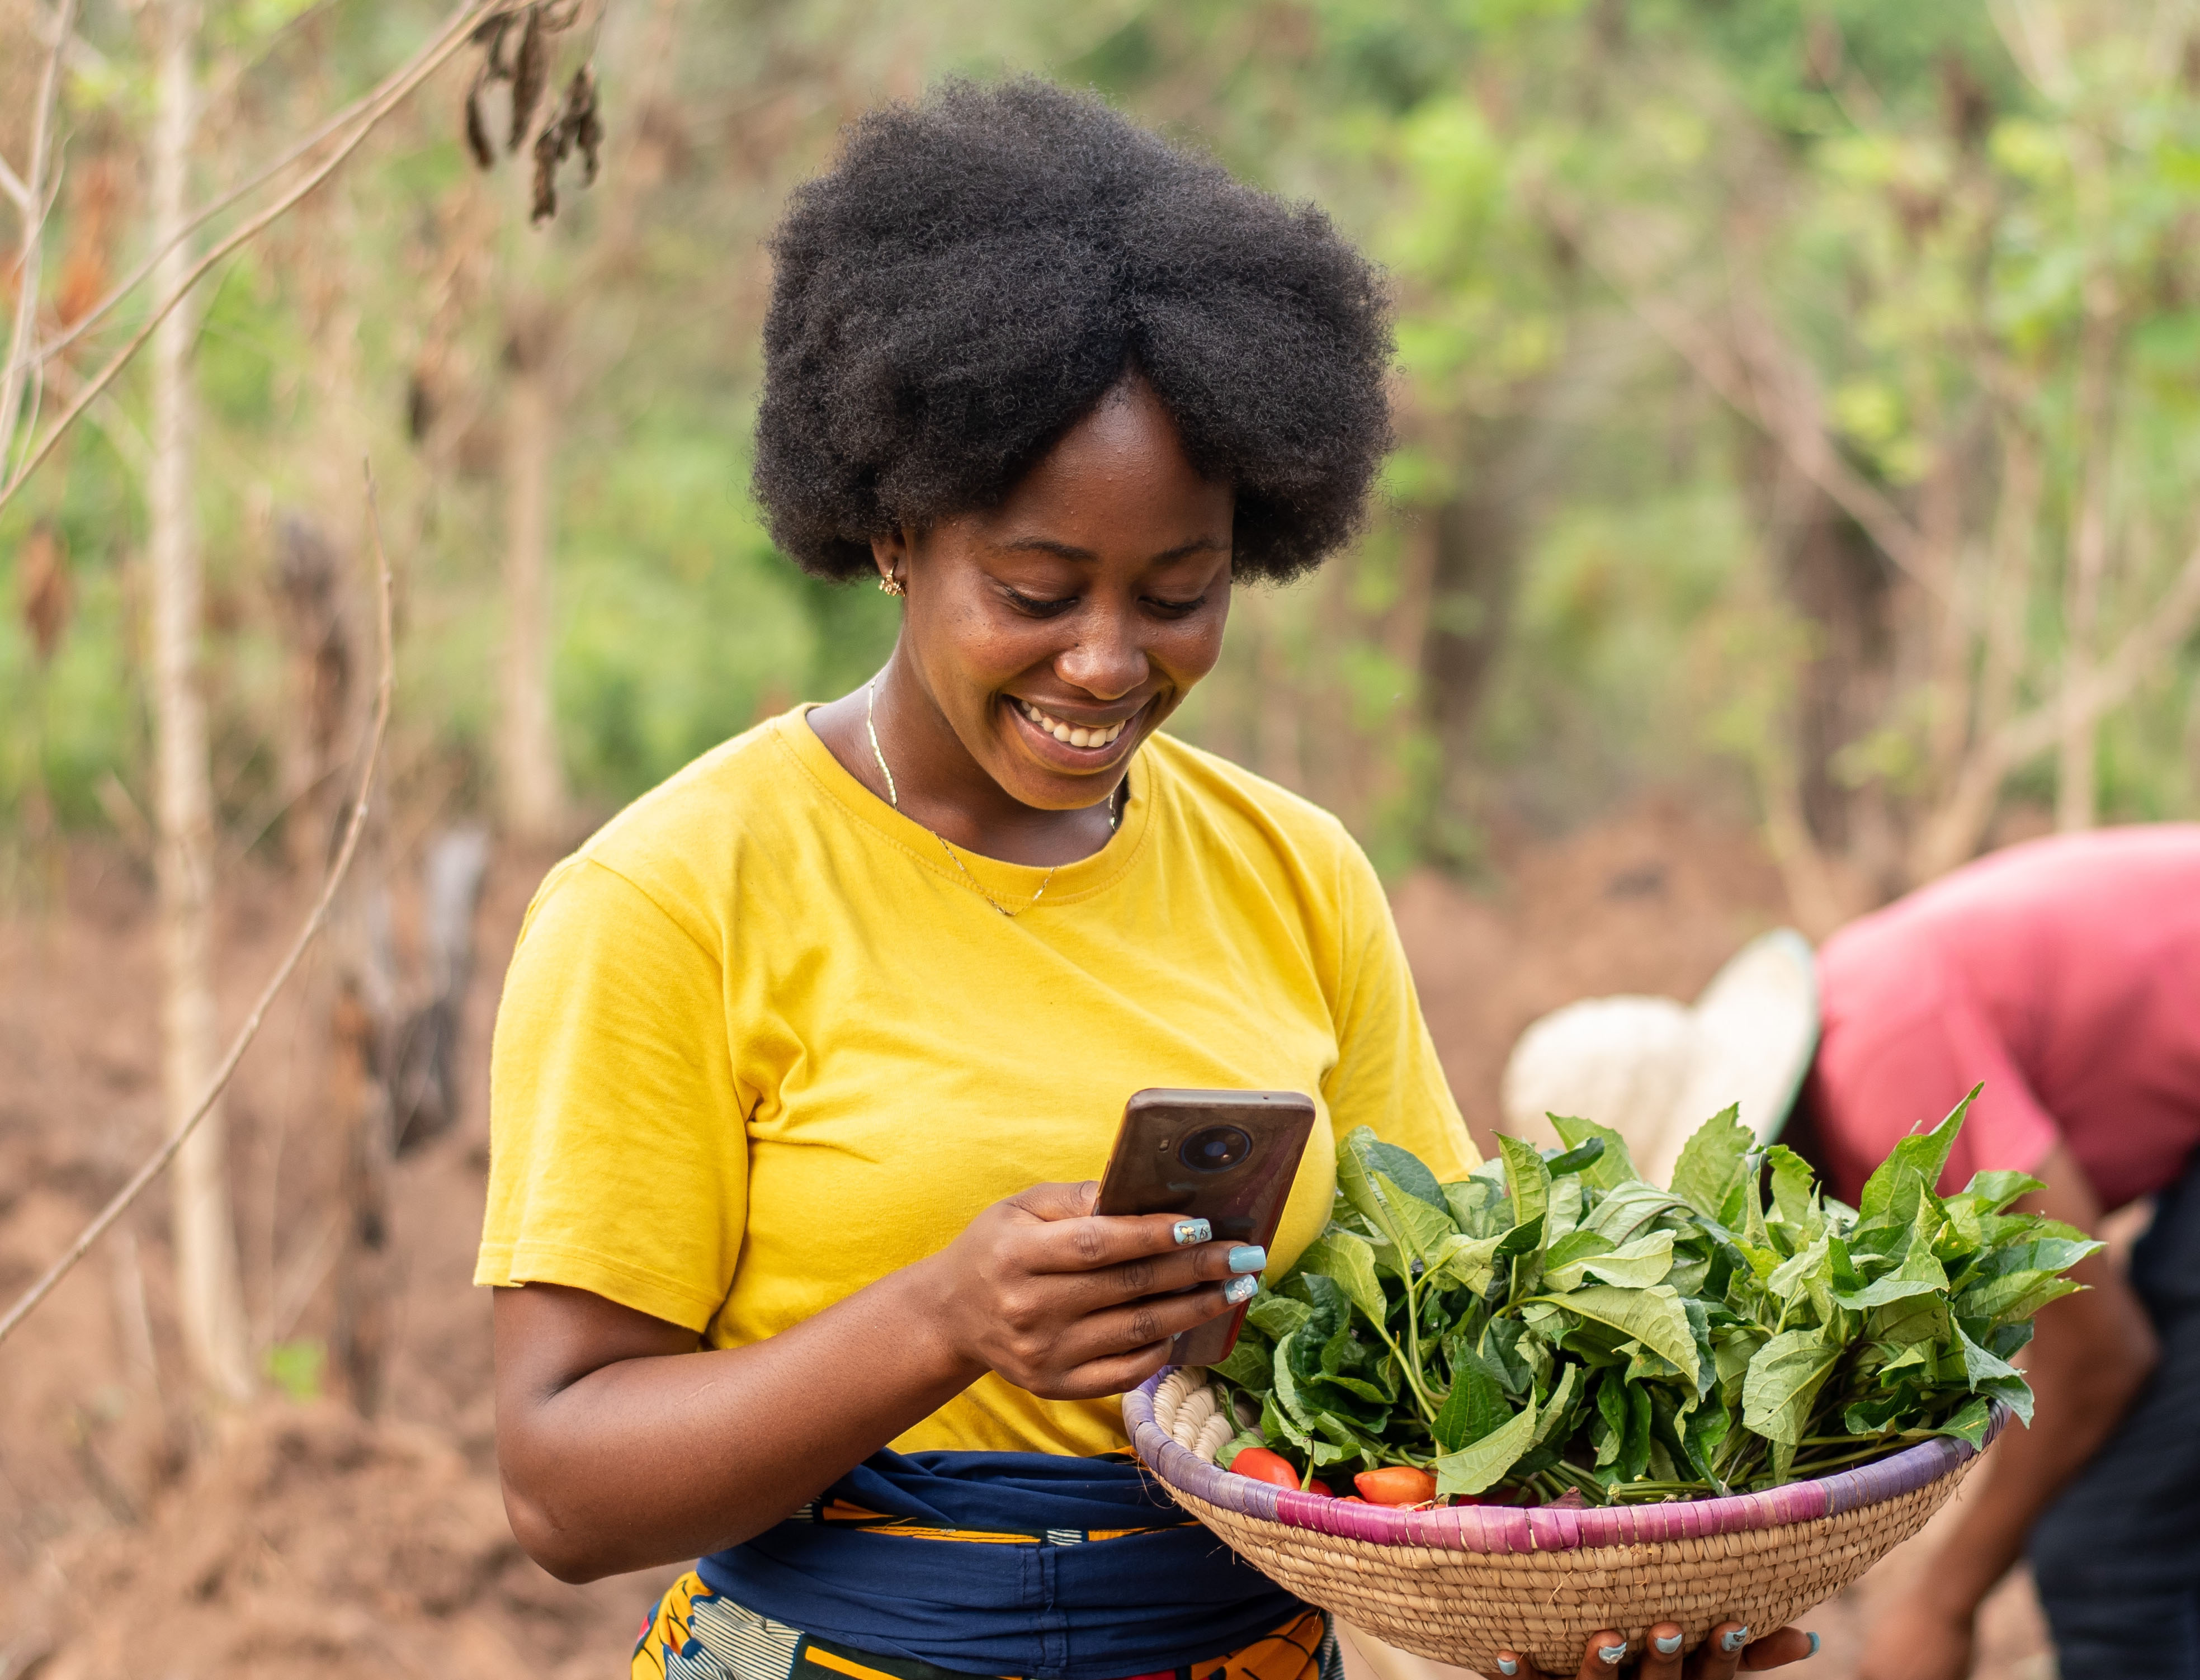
pixel 693 1633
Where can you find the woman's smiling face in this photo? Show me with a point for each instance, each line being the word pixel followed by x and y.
pixel 1057 631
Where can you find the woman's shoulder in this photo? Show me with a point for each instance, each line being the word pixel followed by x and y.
pixel 683 843
pixel 1224 803
pixel 1212 785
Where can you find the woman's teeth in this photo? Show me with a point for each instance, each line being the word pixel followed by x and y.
pixel 1066 733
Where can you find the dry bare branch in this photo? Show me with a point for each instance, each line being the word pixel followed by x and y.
pixel 1766 384
pixel 374 104
pixel 32 201
pixel 1952 830
pixel 385 689
pixel 395 89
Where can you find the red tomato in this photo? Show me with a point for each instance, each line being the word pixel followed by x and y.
pixel 1396 1484
pixel 1263 1466
pixel 1273 1468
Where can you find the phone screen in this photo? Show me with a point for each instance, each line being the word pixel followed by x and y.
pixel 1226 1156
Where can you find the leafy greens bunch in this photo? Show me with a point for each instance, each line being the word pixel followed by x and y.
pixel 1554 1323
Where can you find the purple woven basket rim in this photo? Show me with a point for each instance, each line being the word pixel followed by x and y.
pixel 1493 1528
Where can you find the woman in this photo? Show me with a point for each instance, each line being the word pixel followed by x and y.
pixel 805 1063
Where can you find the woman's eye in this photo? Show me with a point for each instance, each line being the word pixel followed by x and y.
pixel 1176 609
pixel 1038 606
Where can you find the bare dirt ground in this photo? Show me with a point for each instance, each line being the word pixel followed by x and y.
pixel 144 1537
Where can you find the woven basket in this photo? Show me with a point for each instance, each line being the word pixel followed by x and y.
pixel 1463 1582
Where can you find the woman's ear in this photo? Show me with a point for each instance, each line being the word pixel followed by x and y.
pixel 891 554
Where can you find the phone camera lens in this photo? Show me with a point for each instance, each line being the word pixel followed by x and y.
pixel 1215 1149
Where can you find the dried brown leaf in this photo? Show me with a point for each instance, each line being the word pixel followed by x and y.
pixel 583 128
pixel 477 140
pixel 550 148
pixel 490 33
pixel 530 76
pixel 43 589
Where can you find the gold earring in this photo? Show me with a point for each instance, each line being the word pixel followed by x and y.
pixel 890 585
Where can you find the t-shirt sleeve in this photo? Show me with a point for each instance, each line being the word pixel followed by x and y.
pixel 618 1154
pixel 1387 1076
pixel 1902 1041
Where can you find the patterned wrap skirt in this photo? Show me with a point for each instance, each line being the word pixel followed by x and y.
pixel 694 1634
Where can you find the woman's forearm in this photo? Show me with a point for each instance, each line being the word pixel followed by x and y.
pixel 665 1452
pixel 623 1446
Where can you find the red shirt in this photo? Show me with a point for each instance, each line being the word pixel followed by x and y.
pixel 2065 974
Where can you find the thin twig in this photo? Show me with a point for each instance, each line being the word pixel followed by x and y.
pixel 32 202
pixel 245 233
pixel 459 24
pixel 385 687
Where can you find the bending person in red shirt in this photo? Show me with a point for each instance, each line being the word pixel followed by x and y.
pixel 2064 975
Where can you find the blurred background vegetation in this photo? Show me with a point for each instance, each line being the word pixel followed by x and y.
pixel 1797 400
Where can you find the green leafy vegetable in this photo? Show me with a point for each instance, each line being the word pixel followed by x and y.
pixel 1553 1323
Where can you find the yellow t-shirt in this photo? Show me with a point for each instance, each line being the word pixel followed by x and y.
pixel 762 1043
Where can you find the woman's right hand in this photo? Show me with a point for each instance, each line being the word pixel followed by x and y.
pixel 1068 1304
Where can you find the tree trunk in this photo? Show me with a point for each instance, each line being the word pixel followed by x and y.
pixel 532 783
pixel 208 1290
pixel 2076 792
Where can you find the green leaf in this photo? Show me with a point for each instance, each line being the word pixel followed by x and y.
pixel 1611 1169
pixel 1424 1227
pixel 1527 1180
pixel 1640 1264
pixel 1971 1423
pixel 2019 1296
pixel 1355 1182
pixel 1236 1444
pixel 1406 1171
pixel 1792 1183
pixel 1475 1407
pixel 1995 1378
pixel 1582 1156
pixel 1634 1455
pixel 1920 1274
pixel 1783 1381
pixel 1654 1317
pixel 1251 1364
pixel 1277 1314
pixel 1346 1256
pixel 1557 1411
pixel 1627 1210
pixel 1995 1192
pixel 1923 1153
pixel 1481 1466
pixel 1288 1392
pixel 1278 1424
pixel 1712 1163
pixel 1479 1207
pixel 1464 1262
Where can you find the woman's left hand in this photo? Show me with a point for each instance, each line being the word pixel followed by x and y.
pixel 1729 1650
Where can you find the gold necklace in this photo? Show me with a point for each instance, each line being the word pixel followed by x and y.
pixel 893 799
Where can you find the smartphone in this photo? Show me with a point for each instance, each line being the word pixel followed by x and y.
pixel 1226 1156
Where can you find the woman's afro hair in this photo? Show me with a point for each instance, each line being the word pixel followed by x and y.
pixel 982 268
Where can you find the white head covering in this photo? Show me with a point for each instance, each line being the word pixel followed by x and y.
pixel 1653 1069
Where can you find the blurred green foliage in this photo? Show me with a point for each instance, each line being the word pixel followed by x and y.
pixel 1589 575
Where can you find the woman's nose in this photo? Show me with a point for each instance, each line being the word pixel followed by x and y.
pixel 1108 660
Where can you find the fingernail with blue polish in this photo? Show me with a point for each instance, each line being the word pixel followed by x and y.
pixel 1249 1258
pixel 1508 1665
pixel 1667 1644
pixel 1733 1640
pixel 1191 1231
pixel 1814 1644
pixel 1239 1291
pixel 1612 1653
